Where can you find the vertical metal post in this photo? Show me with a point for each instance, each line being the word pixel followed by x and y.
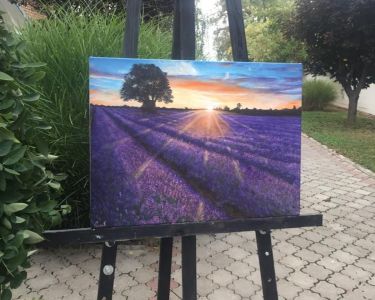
pixel 237 30
pixel 165 265
pixel 264 244
pixel 189 268
pixel 107 271
pixel 176 44
pixel 187 29
pixel 133 20
pixel 266 263
pixel 184 30
pixel 109 250
pixel 184 48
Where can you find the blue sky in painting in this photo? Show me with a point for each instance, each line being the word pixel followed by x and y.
pixel 106 74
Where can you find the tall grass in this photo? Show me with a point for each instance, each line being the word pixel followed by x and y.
pixel 65 41
pixel 317 94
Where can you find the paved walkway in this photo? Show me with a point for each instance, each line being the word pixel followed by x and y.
pixel 336 261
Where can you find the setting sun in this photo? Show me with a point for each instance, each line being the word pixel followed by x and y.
pixel 211 106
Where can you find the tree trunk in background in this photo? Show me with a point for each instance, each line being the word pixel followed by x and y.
pixel 352 110
pixel 353 95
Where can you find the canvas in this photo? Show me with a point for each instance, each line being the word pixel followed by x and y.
pixel 193 141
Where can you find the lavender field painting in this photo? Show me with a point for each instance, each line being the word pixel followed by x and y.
pixel 189 141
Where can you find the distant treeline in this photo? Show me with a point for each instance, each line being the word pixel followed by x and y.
pixel 244 111
pixel 263 112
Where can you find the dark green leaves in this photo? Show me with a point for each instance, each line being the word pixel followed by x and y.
pixel 12 208
pixel 5 147
pixel 339 37
pixel 32 237
pixel 29 65
pixel 42 147
pixel 35 77
pixel 16 282
pixel 31 98
pixel 6 134
pixel 15 156
pixel 27 187
pixel 5 77
pixel 2 183
pixel 6 295
pixel 6 104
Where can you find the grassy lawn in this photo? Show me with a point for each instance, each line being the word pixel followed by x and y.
pixel 357 143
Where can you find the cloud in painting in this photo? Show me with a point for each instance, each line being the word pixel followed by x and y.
pixel 183 68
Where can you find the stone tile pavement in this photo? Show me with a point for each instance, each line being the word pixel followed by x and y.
pixel 336 261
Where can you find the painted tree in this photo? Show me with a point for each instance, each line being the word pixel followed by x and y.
pixel 340 40
pixel 147 84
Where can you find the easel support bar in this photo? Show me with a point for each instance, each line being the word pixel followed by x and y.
pixel 266 264
pixel 189 268
pixel 55 238
pixel 165 266
pixel 107 271
pixel 132 27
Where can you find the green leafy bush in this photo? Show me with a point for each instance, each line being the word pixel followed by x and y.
pixel 27 188
pixel 267 43
pixel 65 41
pixel 317 94
pixel 267 31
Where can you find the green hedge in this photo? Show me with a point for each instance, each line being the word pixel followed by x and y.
pixel 28 189
pixel 317 94
pixel 64 42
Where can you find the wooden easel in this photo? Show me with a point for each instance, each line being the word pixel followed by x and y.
pixel 183 48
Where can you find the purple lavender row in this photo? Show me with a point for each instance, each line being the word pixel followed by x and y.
pixel 278 147
pixel 108 177
pixel 286 168
pixel 271 124
pixel 240 189
pixel 278 144
pixel 162 115
pixel 267 149
pixel 257 184
pixel 130 187
pixel 244 127
pixel 288 126
pixel 282 151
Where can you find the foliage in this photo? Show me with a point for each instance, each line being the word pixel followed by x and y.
pixel 340 40
pixel 27 188
pixel 356 142
pixel 65 41
pixel 150 8
pixel 317 94
pixel 267 43
pixel 265 27
pixel 147 84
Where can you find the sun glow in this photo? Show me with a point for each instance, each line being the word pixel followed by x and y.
pixel 211 106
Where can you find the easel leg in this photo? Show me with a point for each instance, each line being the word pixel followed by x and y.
pixel 107 271
pixel 165 265
pixel 189 268
pixel 266 263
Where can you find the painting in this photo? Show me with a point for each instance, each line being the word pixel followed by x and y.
pixel 193 141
